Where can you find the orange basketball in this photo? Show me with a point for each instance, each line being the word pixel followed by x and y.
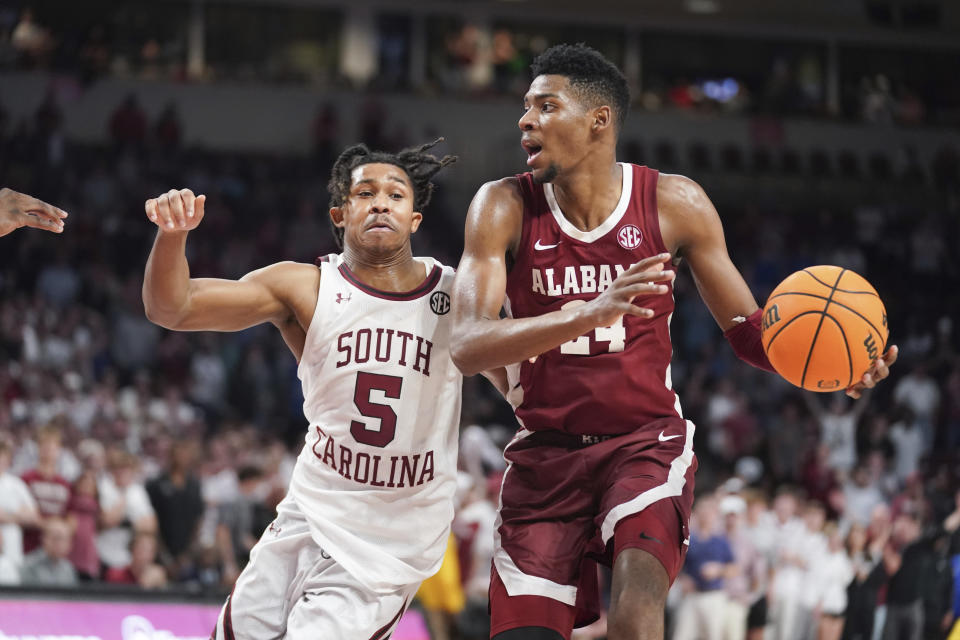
pixel 823 327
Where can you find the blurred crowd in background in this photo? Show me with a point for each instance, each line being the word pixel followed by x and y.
pixel 135 455
pixel 138 456
pixel 706 72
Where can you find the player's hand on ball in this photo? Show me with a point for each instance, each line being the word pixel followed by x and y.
pixel 176 210
pixel 642 279
pixel 878 371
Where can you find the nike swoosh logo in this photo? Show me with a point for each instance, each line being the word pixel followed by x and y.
pixel 664 438
pixel 644 536
pixel 543 247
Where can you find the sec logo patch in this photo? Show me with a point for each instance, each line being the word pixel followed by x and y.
pixel 440 303
pixel 629 236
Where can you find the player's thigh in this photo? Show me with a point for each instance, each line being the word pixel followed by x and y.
pixel 261 598
pixel 334 605
pixel 660 530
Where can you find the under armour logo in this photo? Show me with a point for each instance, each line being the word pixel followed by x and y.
pixel 343 298
pixel 273 528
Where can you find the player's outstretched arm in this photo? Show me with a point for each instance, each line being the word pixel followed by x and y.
pixel 481 339
pixel 20 210
pixel 172 299
pixel 694 223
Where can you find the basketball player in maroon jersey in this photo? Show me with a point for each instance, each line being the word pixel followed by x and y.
pixel 577 253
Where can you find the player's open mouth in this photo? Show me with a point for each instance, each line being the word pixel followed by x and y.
pixel 533 150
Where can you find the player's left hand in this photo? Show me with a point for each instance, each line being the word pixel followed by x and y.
pixel 876 373
pixel 20 210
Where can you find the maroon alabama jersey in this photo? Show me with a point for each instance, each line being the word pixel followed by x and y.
pixel 612 380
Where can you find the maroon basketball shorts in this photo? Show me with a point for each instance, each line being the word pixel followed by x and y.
pixel 568 502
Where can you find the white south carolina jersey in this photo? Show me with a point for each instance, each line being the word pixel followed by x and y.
pixel 377 475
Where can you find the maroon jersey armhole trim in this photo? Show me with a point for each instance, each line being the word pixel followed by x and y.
pixel 423 289
pixel 528 193
pixel 651 178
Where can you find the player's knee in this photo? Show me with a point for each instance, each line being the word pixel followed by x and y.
pixel 636 611
pixel 529 633
pixel 636 620
pixel 644 596
pixel 639 598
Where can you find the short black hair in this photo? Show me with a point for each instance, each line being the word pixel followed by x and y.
pixel 595 78
pixel 419 166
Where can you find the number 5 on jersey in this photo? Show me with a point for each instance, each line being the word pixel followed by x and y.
pixel 366 384
pixel 615 336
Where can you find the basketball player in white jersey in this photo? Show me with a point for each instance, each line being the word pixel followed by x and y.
pixel 369 507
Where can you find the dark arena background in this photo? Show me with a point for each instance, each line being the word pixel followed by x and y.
pixel 825 132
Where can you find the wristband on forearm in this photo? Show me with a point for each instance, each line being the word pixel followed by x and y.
pixel 746 342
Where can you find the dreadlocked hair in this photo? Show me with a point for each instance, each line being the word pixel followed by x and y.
pixel 419 166
pixel 593 77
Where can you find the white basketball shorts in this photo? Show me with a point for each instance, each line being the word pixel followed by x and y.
pixel 292 589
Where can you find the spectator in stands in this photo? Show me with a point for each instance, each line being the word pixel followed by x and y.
pixel 810 549
pixel 874 436
pixel 474 525
pixel 951 410
pixel 50 490
pixel 30 40
pixel 94 54
pixel 709 563
pixel 789 564
pixel 143 569
pixel 509 64
pixel 838 427
pixel 868 577
pixel 9 572
pixel 759 526
pixel 832 572
pixel 860 496
pixel 324 131
pixel 83 514
pixel 167 130
pixel 937 588
pixel 126 510
pixel 819 480
pixel 48 565
pixel 921 394
pixel 59 282
pixel 17 509
pixel 176 499
pixel 48 117
pixel 905 560
pixel 237 521
pixel 909 443
pixel 749 582
pixel 128 124
pixel 785 435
